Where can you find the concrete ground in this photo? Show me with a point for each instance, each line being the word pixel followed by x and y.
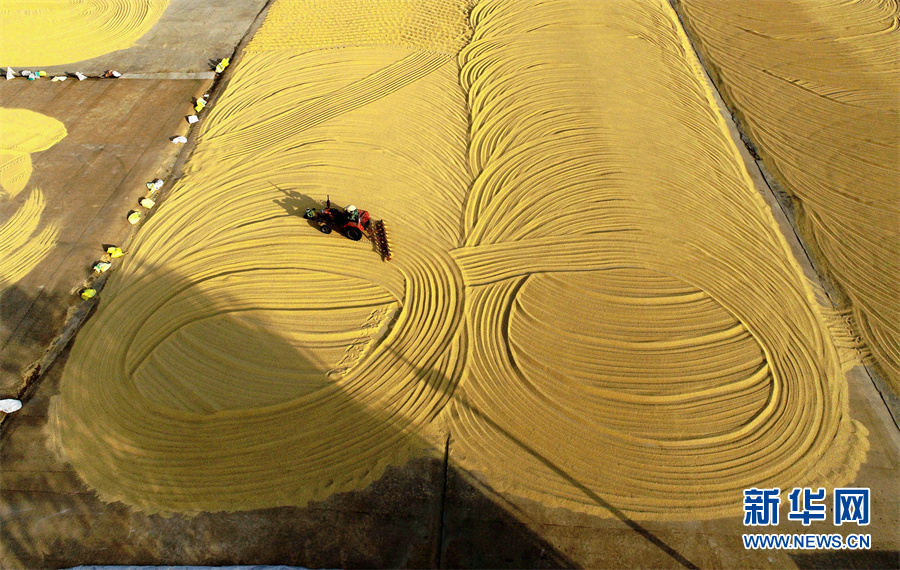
pixel 52 520
pixel 427 513
pixel 188 36
pixel 118 139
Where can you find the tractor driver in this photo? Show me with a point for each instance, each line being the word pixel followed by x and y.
pixel 352 213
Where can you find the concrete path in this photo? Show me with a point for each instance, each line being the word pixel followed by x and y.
pixel 188 36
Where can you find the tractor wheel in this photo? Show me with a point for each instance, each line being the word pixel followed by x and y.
pixel 325 229
pixel 354 234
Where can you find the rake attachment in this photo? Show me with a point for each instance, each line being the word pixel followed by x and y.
pixel 379 234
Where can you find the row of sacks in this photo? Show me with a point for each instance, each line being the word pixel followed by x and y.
pixel 135 216
pixel 112 252
pixel 148 201
pixel 108 74
pixel 35 75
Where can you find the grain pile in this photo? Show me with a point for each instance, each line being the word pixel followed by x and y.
pixel 587 291
pixel 816 83
pixel 41 33
pixel 22 245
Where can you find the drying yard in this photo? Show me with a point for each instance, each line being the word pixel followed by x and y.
pixel 644 258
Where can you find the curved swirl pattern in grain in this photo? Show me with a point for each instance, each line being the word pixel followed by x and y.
pixel 587 290
pixel 53 33
pixel 22 246
pixel 816 85
pixel 254 361
pixel 639 329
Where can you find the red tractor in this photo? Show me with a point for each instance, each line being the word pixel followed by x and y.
pixel 350 222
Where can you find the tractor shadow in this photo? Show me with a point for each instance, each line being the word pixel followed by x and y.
pixel 295 204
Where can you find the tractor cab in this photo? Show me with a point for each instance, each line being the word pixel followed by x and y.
pixel 351 222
